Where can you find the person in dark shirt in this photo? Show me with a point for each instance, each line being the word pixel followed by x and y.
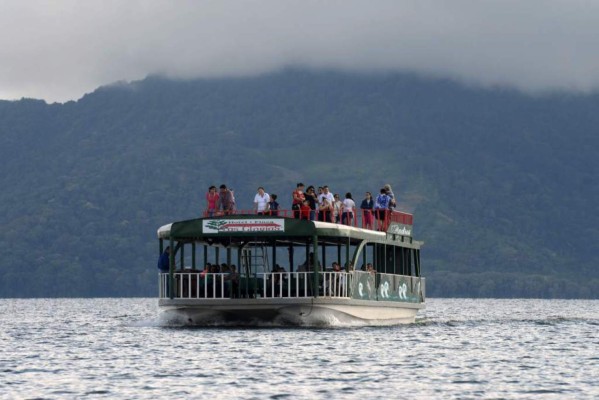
pixel 312 200
pixel 165 260
pixel 273 206
pixel 367 206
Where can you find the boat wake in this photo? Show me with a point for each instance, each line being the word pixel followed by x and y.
pixel 316 318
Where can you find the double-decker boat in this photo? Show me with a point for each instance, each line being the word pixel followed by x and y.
pixel 272 269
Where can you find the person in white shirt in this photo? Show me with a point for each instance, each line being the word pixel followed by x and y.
pixel 348 208
pixel 261 201
pixel 325 200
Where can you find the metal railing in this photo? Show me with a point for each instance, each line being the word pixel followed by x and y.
pixel 360 218
pixel 199 285
pixel 299 284
pixel 196 285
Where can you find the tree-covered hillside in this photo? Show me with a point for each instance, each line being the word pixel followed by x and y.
pixel 503 185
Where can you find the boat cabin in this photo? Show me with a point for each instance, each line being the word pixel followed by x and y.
pixel 254 257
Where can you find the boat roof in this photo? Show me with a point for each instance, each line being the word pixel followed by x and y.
pixel 269 227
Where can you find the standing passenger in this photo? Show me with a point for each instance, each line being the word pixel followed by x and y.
pixel 298 199
pixel 261 201
pixel 312 201
pixel 226 200
pixel 367 206
pixel 212 199
pixel 164 261
pixel 273 206
pixel 337 206
pixel 380 208
pixel 348 209
pixel 392 199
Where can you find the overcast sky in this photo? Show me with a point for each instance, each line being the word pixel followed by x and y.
pixel 59 50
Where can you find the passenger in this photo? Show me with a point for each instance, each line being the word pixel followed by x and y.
pixel 226 200
pixel 336 266
pixel 348 209
pixel 307 265
pixel 212 200
pixel 338 280
pixel 350 267
pixel 234 278
pixel 325 201
pixel 312 201
pixel 392 199
pixel 164 261
pixel 273 206
pixel 381 206
pixel 207 269
pixel 325 209
pixel 370 268
pixel 279 279
pixel 261 201
pixel 337 206
pixel 298 199
pixel 305 210
pixel 367 206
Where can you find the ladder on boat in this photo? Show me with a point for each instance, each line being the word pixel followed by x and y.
pixel 254 258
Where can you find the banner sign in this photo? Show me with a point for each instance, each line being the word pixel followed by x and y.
pixel 400 229
pixel 243 225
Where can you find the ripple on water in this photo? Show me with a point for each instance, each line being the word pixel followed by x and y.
pixel 119 348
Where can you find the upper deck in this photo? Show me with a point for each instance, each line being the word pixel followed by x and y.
pixel 238 227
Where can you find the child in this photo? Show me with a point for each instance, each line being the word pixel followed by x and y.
pixel 305 210
pixel 273 206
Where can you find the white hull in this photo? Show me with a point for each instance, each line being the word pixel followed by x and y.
pixel 284 311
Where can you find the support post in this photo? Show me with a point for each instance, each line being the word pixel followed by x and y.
pixel 193 255
pixel 171 270
pixel 315 271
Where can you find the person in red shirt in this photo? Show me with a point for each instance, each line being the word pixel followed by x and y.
pixel 212 199
pixel 298 199
pixel 305 210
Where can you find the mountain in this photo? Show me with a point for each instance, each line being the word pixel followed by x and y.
pixel 503 185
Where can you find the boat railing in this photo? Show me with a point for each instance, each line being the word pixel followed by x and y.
pixel 299 284
pixel 199 285
pixel 360 218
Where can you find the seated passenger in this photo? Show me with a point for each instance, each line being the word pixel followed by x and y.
pixel 234 278
pixel 370 268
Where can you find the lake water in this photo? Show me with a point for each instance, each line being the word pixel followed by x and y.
pixel 459 348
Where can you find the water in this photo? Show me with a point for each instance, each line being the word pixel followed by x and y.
pixel 459 348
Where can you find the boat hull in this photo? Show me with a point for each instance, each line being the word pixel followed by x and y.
pixel 287 312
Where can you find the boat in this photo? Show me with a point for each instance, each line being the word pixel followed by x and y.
pixel 241 280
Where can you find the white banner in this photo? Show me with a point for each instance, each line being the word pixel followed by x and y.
pixel 243 225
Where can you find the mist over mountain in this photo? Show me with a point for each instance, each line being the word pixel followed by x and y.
pixel 503 185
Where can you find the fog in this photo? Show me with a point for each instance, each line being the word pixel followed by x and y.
pixel 58 51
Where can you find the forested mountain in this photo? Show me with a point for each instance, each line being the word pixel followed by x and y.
pixel 503 185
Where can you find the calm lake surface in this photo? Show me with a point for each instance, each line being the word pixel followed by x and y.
pixel 459 348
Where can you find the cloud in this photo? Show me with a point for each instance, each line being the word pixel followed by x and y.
pixel 60 50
